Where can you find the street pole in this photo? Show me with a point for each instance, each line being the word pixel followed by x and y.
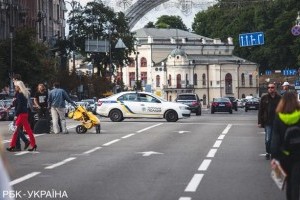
pixel 11 91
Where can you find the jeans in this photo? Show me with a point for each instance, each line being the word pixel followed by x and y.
pixel 58 114
pixel 268 137
pixel 22 136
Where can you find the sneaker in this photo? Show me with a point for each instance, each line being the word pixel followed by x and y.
pixel 268 156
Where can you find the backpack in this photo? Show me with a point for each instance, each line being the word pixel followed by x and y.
pixel 291 142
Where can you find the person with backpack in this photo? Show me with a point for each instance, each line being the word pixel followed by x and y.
pixel 266 115
pixel 285 144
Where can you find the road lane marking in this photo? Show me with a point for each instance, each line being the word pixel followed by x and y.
pixel 227 129
pixel 60 163
pixel 148 153
pixel 194 183
pixel 145 129
pixel 35 135
pixel 217 144
pixel 211 153
pixel 185 198
pixel 111 142
pixel 204 165
pixel 221 137
pixel 23 178
pixel 92 150
pixel 127 136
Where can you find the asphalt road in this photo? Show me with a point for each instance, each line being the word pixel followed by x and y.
pixel 208 157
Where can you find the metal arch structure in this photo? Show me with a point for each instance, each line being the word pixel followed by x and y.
pixel 136 11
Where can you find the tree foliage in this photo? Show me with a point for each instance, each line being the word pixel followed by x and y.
pixel 29 58
pixel 166 21
pixel 275 18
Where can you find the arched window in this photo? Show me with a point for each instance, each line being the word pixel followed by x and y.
pixel 228 83
pixel 178 81
pixel 157 81
pixel 195 79
pixel 143 62
pixel 170 80
pixel 204 99
pixel 203 79
pixel 250 79
pixel 243 79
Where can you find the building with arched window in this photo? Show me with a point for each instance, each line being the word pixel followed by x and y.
pixel 179 62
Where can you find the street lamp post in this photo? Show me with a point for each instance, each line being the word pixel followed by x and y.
pixel 11 91
pixel 73 4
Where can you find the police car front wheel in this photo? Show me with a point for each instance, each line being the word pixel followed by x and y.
pixel 171 116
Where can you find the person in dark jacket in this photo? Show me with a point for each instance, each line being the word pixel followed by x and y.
pixel 21 112
pixel 266 115
pixel 41 101
pixel 287 115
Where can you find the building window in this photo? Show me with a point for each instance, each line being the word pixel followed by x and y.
pixel 228 83
pixel 143 62
pixel 195 79
pixel 144 78
pixel 243 79
pixel 157 81
pixel 250 79
pixel 186 79
pixel 203 79
pixel 131 79
pixel 170 80
pixel 178 81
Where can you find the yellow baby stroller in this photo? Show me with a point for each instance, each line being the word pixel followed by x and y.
pixel 88 120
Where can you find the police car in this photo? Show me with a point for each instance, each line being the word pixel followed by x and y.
pixel 140 105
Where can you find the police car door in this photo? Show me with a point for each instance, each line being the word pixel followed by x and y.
pixel 130 105
pixel 151 106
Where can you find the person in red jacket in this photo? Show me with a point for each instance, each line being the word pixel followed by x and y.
pixel 21 112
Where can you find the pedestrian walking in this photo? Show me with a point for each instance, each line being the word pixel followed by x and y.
pixel 266 115
pixel 285 88
pixel 21 112
pixel 41 101
pixel 57 105
pixel 21 134
pixel 286 128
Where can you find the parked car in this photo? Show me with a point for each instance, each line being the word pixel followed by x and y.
pixel 221 104
pixel 233 102
pixel 7 103
pixel 192 100
pixel 252 104
pixel 140 105
pixel 92 104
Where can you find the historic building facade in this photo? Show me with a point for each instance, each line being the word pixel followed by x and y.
pixel 46 16
pixel 170 61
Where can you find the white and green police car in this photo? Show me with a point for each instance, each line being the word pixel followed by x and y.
pixel 140 105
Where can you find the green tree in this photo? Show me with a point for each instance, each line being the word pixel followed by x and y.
pixel 166 21
pixel 274 18
pixel 97 21
pixel 30 58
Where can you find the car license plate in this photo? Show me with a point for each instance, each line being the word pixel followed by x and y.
pixel 222 105
pixel 252 106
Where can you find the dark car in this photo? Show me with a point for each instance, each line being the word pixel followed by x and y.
pixel 192 100
pixel 252 104
pixel 233 101
pixel 221 104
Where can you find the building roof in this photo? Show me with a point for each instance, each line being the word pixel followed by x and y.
pixel 159 33
pixel 177 52
pixel 218 59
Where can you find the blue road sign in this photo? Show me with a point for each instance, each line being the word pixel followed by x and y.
pixel 289 72
pixel 268 72
pixel 251 39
